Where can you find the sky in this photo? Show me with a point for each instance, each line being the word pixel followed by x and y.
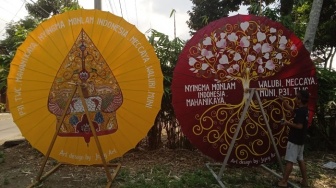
pixel 144 14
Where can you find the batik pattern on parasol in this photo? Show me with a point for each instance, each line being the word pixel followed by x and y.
pixel 119 75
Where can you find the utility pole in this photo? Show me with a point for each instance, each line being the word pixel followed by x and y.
pixel 97 4
pixel 171 14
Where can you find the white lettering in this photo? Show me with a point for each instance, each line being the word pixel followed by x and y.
pixel 198 87
pixel 117 28
pixel 22 66
pixel 150 100
pixel 51 29
pixel 300 81
pixel 142 51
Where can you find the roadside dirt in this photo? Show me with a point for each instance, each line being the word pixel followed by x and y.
pixel 22 163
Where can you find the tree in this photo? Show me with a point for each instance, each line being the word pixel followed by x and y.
pixel 42 9
pixel 206 11
pixel 323 130
pixel 16 32
pixel 312 24
pixel 4 70
pixel 325 41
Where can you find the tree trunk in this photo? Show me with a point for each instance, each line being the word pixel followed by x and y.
pixel 312 24
pixel 333 53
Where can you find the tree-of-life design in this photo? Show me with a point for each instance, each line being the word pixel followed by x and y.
pixel 241 52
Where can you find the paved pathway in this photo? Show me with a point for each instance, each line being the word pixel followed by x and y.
pixel 8 129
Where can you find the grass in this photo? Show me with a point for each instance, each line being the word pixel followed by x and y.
pixel 2 157
pixel 255 177
pixel 6 181
pixel 160 177
pixel 166 176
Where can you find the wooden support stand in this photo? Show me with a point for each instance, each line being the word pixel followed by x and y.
pixel 110 177
pixel 218 176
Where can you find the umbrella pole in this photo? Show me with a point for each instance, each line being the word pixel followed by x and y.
pixel 247 104
pixel 105 165
pixel 58 127
pixel 108 175
pixel 270 134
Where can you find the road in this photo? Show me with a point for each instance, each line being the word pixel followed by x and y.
pixel 8 129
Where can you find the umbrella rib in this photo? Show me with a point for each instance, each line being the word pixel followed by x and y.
pixel 136 115
pixel 51 39
pixel 37 125
pixel 103 38
pixel 35 60
pixel 134 127
pixel 43 106
pixel 43 63
pixel 39 81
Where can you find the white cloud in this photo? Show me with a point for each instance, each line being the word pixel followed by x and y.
pixel 10 10
pixel 144 14
pixel 150 14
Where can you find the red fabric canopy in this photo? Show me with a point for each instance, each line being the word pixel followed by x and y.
pixel 218 64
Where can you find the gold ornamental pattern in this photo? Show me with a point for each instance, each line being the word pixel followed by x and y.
pixel 85 65
pixel 241 53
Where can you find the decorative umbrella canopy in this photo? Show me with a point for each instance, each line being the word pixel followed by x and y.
pixel 117 70
pixel 214 71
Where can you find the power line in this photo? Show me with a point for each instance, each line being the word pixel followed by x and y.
pixel 115 7
pixel 110 3
pixel 3 20
pixel 121 9
pixel 136 12
pixel 47 13
pixel 6 10
pixel 14 16
pixel 126 10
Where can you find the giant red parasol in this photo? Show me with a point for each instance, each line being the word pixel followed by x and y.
pixel 217 66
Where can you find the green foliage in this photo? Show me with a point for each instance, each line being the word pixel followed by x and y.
pixel 271 13
pixel 325 40
pixel 322 132
pixel 159 177
pixel 2 108
pixel 43 9
pixel 16 32
pixel 167 51
pixel 325 36
pixel 4 69
pixel 2 157
pixel 206 11
pixel 6 181
pixel 199 178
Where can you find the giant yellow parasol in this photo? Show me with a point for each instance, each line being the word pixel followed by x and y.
pixel 118 72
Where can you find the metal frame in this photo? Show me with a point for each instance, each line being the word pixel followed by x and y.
pixel 109 176
pixel 218 175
